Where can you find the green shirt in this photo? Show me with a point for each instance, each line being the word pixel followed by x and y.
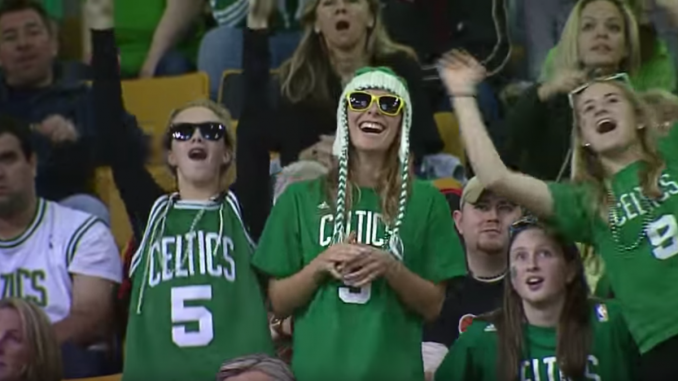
pixel 135 24
pixel 233 13
pixel 613 354
pixel 657 72
pixel 196 301
pixel 367 334
pixel 644 280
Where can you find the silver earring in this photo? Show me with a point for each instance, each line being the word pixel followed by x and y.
pixel 587 145
pixel 641 126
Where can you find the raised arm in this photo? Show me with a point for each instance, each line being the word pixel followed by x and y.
pixel 137 188
pixel 461 73
pixel 257 123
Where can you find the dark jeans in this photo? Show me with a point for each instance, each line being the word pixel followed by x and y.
pixel 174 63
pixel 79 362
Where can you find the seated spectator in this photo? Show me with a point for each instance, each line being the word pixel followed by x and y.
pixel 158 37
pixel 28 345
pixel 547 328
pixel 33 88
pixel 601 38
pixel 332 256
pixel 255 368
pixel 221 48
pixel 483 220
pixel 63 260
pixel 339 37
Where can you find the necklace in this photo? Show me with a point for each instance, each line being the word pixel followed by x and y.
pixel 490 279
pixel 613 220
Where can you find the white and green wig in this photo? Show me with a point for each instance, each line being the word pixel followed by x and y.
pixel 371 78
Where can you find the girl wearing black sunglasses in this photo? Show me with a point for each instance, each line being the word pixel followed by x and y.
pixel 623 202
pixel 547 327
pixel 195 300
pixel 359 257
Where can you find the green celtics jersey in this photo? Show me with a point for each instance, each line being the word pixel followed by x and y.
pixel 613 354
pixel 233 13
pixel 643 278
pixel 364 334
pixel 195 301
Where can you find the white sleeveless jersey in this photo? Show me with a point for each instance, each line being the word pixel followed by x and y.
pixel 60 242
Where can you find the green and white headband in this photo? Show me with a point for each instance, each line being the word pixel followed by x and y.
pixel 371 78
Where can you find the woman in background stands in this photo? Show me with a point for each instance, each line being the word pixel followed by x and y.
pixel 601 38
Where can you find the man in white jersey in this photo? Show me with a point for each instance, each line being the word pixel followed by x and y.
pixel 64 260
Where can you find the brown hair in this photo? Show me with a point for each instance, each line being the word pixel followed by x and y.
pixel 567 53
pixel 654 110
pixel 45 355
pixel 224 117
pixel 306 73
pixel 574 328
pixel 11 6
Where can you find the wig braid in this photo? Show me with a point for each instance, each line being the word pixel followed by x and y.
pixel 383 79
pixel 339 229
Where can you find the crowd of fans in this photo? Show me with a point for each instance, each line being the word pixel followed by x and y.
pixel 341 259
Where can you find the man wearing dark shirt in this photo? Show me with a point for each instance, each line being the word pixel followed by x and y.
pixel 36 89
pixel 483 221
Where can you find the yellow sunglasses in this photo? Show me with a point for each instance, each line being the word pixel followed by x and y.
pixel 361 101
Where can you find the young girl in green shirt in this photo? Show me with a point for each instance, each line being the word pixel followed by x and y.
pixel 547 328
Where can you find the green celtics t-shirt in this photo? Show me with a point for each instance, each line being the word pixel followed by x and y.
pixel 196 301
pixel 367 334
pixel 135 24
pixel 644 279
pixel 613 355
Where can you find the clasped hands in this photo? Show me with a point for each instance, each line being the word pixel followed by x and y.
pixel 353 263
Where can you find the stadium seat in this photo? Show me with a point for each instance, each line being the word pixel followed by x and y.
pixel 448 128
pixel 447 183
pixel 152 100
pixel 115 377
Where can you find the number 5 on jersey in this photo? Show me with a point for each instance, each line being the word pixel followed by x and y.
pixel 184 313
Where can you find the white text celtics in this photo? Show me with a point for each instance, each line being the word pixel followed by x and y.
pixel 197 253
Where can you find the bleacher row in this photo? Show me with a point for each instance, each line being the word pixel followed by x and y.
pixel 152 100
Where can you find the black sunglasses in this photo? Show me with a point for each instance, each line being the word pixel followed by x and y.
pixel 390 105
pixel 208 130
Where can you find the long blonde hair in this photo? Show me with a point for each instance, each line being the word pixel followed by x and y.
pixel 655 110
pixel 306 73
pixel 45 355
pixel 388 184
pixel 567 52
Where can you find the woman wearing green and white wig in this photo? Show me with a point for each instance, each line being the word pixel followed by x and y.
pixel 359 256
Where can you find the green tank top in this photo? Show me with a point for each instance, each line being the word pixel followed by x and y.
pixel 135 23
pixel 196 302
